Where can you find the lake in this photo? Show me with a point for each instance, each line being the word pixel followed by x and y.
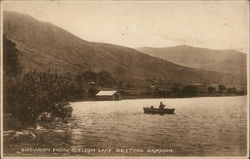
pixel 206 126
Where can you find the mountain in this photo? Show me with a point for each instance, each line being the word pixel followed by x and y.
pixel 226 61
pixel 43 45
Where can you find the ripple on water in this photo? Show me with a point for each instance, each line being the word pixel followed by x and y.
pixel 212 126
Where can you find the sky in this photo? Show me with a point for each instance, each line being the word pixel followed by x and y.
pixel 207 24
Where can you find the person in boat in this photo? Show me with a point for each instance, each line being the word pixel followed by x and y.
pixel 161 106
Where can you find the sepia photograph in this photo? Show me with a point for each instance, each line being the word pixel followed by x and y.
pixel 124 79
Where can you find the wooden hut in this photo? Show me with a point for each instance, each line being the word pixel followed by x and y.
pixel 108 95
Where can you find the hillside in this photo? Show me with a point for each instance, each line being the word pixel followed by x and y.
pixel 43 45
pixel 226 61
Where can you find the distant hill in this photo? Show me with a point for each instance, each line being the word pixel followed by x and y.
pixel 226 61
pixel 43 45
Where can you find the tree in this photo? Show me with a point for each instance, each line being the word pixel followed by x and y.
pixel 177 89
pixel 12 72
pixel 89 76
pixel 11 64
pixel 222 88
pixel 92 91
pixel 105 79
pixel 232 90
pixel 190 90
pixel 38 92
pixel 211 90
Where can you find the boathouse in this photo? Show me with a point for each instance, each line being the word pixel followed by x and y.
pixel 108 95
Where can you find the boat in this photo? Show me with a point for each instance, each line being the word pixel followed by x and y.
pixel 153 110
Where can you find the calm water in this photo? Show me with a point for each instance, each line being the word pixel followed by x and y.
pixel 208 126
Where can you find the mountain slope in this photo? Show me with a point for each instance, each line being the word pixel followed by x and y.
pixel 43 46
pixel 227 61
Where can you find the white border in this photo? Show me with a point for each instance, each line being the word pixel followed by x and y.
pixel 1 79
pixel 248 75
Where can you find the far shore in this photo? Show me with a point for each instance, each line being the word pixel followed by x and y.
pixel 88 99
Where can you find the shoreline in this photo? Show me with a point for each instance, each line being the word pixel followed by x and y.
pixel 137 98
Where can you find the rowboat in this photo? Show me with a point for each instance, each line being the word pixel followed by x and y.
pixel 152 110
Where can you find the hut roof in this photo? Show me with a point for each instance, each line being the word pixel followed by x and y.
pixel 106 93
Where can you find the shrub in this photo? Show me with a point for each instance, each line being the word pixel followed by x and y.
pixel 190 90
